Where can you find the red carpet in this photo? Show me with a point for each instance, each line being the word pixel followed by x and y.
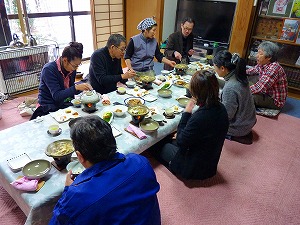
pixel 255 184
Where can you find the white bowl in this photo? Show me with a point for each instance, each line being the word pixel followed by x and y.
pixel 121 90
pixel 119 110
pixel 130 84
pixel 158 117
pixel 165 72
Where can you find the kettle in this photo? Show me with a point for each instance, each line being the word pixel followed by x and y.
pixel 16 43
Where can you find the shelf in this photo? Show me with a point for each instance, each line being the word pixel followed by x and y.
pixel 293 88
pixel 275 40
pixel 273 17
pixel 289 65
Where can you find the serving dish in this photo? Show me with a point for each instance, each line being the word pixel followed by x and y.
pixel 138 113
pixel 132 101
pixel 149 125
pixel 64 115
pixel 36 169
pixel 59 148
pixel 166 85
pixel 107 116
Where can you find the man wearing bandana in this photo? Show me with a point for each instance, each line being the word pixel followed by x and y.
pixel 142 48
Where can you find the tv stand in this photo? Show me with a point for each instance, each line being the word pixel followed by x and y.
pixel 210 47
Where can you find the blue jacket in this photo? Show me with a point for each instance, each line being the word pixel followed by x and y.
pixel 52 93
pixel 119 191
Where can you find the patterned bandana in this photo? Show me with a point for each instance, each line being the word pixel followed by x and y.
pixel 146 23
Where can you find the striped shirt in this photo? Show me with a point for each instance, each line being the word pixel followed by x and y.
pixel 272 81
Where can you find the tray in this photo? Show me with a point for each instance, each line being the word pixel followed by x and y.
pixel 17 163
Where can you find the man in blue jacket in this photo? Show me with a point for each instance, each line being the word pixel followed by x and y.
pixel 113 189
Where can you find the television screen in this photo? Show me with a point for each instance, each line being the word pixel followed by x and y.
pixel 213 19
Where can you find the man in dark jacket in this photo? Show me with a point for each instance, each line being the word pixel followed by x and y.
pixel 105 65
pixel 180 44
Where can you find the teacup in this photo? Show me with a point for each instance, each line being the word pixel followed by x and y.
pixel 169 111
pixel 53 129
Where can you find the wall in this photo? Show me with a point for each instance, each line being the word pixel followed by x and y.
pixel 107 18
pixel 169 18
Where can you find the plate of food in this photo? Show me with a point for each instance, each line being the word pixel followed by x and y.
pixel 132 101
pixel 64 115
pixel 107 116
pixel 180 83
pixel 166 85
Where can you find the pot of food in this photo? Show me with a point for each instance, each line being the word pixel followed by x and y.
pixel 180 69
pixel 89 100
pixel 138 113
pixel 146 78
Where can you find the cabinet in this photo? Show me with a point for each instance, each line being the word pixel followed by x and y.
pixel 270 27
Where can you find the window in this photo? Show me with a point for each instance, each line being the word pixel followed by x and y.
pixel 55 21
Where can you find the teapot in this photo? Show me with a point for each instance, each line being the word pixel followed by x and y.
pixel 16 43
pixel 89 97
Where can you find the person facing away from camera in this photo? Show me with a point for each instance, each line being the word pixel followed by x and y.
pixel 270 91
pixel 236 96
pixel 196 149
pixel 113 189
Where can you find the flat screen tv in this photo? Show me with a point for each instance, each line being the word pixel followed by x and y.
pixel 213 19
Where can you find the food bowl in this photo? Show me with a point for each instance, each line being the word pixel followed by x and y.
pixel 169 111
pixel 161 78
pixel 76 103
pixel 183 101
pixel 158 118
pixel 149 126
pixel 165 72
pixel 138 113
pixel 61 151
pixel 180 69
pixel 53 129
pixel 164 93
pixel 130 84
pixel 36 169
pixel 203 60
pixel 121 90
pixel 133 101
pixel 119 110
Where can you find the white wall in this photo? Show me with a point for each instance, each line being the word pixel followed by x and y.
pixel 169 18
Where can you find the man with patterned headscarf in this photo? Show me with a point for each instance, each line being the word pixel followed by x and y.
pixel 142 48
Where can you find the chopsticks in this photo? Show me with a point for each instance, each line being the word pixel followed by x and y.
pixel 131 133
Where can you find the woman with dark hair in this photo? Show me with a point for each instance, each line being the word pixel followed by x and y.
pixel 57 81
pixel 142 48
pixel 236 96
pixel 200 134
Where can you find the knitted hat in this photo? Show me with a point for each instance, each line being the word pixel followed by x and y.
pixel 146 23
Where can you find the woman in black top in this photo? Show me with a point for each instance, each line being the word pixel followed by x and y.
pixel 200 134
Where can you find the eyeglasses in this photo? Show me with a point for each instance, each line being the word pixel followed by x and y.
pixel 75 66
pixel 122 50
pixel 187 28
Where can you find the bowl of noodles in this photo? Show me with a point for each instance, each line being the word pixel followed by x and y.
pixel 61 151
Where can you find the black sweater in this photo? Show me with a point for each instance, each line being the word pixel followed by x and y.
pixel 105 72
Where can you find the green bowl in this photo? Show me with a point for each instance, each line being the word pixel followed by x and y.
pixel 164 93
pixel 149 125
pixel 36 169
pixel 183 101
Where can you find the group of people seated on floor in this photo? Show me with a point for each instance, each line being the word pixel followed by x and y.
pixel 193 152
